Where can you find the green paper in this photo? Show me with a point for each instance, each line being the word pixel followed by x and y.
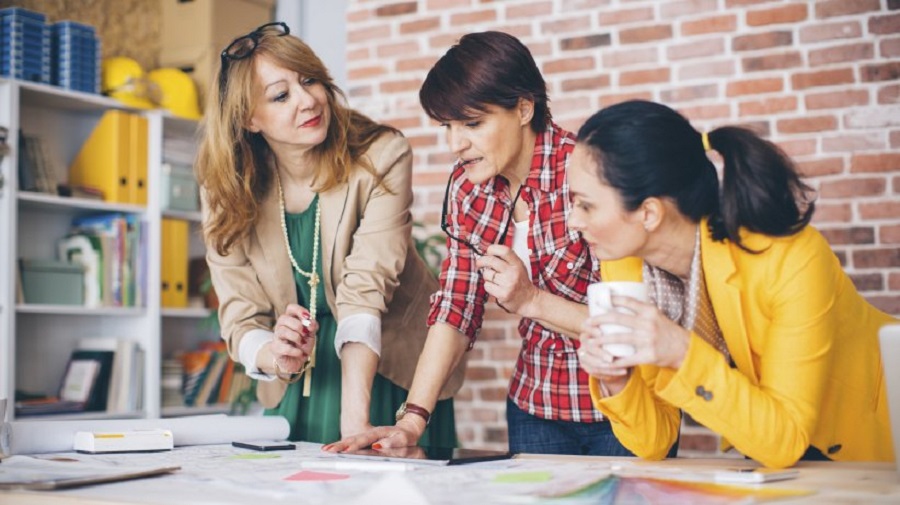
pixel 520 477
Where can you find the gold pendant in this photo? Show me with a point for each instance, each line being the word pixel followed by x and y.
pixel 313 280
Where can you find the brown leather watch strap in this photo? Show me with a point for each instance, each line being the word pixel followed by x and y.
pixel 412 408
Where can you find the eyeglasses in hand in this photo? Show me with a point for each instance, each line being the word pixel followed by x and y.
pixel 474 242
pixel 243 46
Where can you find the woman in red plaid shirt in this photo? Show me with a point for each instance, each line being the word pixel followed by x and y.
pixel 505 215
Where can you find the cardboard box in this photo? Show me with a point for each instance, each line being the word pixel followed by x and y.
pixel 194 33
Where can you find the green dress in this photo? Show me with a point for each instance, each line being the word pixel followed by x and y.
pixel 317 418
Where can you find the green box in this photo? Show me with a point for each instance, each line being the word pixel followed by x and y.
pixel 179 188
pixel 52 282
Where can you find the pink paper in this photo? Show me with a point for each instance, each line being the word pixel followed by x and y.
pixel 310 476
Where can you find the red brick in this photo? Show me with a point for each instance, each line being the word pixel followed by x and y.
pixel 568 65
pixel 585 42
pixel 441 159
pixel 833 213
pixel 715 24
pixel 497 435
pixel 762 41
pixel 837 99
pixel 807 124
pixel 427 178
pixel 767 106
pixel 630 57
pixel 689 93
pixel 402 123
pixel 365 72
pixel 872 117
pixel 397 49
pixel 830 31
pixel 868 282
pixel 586 83
pixel 885 25
pixel 495 394
pixel 504 355
pixel 894 282
pixel 416 64
pixel 779 15
pixel 886 304
pixel 359 91
pixel 848 236
pixel 609 18
pixel 891 235
pixel 696 49
pixel 420 25
pixel 576 104
pixel 820 167
pixel 645 34
pixel 532 10
pixel 706 69
pixel 471 18
pixel 397 9
pixel 840 54
pixel 743 3
pixel 584 5
pixel 754 87
pixel 877 258
pixel 832 8
pixel 880 210
pixel 476 373
pixel 772 62
pixel 706 112
pixel 354 17
pixel 360 35
pixel 796 148
pixel 850 188
pixel 890 48
pixel 884 162
pixel 360 54
pixel 852 142
pixel 822 78
pixel 607 99
pixel 443 41
pixel 420 140
pixel 440 5
pixel 541 50
pixel 566 26
pixel 638 77
pixel 895 140
pixel 882 72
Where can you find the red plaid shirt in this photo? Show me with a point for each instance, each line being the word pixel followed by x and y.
pixel 547 381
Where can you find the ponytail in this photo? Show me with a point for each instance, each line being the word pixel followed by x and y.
pixel 761 190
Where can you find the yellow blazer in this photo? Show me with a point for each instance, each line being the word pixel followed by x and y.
pixel 370 266
pixel 805 346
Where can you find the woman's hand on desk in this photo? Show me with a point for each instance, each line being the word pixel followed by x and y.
pixel 295 337
pixel 405 433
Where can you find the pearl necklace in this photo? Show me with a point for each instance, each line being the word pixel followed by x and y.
pixel 312 275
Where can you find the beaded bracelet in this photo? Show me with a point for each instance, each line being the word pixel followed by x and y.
pixel 295 376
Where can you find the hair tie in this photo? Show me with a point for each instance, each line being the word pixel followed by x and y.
pixel 704 137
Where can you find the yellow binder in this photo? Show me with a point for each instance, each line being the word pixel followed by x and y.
pixel 174 268
pixel 104 159
pixel 137 175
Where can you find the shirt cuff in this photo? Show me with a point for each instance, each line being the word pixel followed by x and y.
pixel 251 343
pixel 362 328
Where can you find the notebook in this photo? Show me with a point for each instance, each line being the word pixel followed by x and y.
pixel 890 353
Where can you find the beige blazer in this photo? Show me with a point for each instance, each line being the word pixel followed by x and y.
pixel 370 266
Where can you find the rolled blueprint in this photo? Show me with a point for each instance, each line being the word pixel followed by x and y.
pixel 34 437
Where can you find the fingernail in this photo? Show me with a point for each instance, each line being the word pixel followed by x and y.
pixel 326 447
pixel 376 446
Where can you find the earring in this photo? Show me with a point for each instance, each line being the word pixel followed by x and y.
pixel 646 227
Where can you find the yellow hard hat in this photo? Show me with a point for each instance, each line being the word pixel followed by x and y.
pixel 177 92
pixel 123 79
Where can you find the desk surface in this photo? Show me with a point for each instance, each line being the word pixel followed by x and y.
pixel 223 474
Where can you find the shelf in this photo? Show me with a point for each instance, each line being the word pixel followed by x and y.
pixel 54 97
pixel 78 310
pixel 30 200
pixel 191 312
pixel 184 215
pixel 82 416
pixel 219 408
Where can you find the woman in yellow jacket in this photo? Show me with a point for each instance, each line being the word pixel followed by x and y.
pixel 753 328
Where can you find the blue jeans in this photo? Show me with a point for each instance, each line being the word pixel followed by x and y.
pixel 532 434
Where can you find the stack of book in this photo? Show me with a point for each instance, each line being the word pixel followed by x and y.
pixel 211 377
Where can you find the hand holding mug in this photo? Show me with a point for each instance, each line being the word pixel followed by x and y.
pixel 600 302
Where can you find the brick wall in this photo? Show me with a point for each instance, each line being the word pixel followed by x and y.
pixel 820 78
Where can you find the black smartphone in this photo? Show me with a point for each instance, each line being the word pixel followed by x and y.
pixel 265 445
pixel 429 455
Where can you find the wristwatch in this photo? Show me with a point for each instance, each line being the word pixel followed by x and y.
pixel 412 408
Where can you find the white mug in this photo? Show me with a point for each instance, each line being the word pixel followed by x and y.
pixel 600 302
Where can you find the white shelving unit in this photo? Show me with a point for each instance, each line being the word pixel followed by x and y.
pixel 37 340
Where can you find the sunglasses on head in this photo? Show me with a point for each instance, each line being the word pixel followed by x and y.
pixel 243 46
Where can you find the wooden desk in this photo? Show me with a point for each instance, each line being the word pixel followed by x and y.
pixel 221 474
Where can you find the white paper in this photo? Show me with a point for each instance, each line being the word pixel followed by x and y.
pixel 35 437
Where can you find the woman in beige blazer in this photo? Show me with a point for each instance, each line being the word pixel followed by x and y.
pixel 307 223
